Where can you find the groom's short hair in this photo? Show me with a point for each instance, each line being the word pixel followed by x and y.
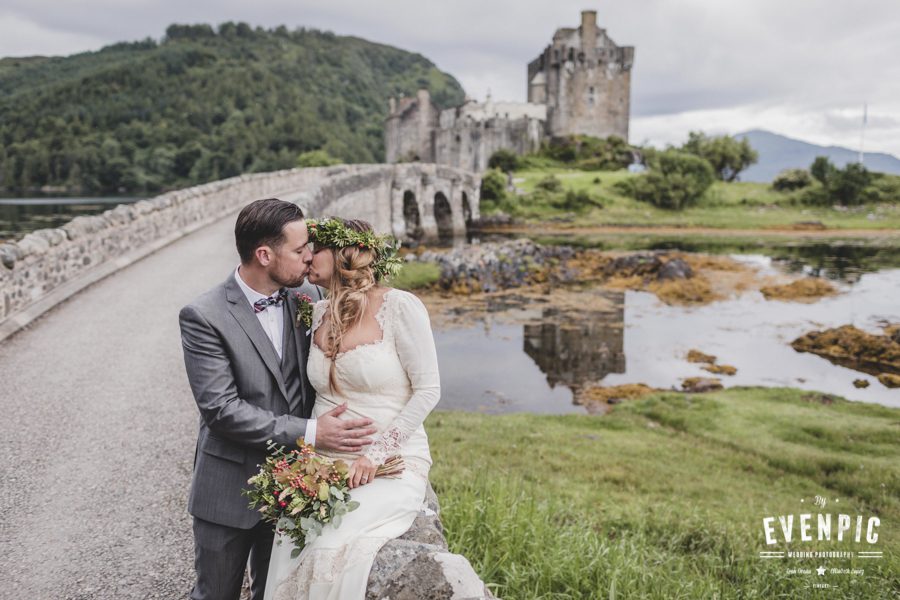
pixel 261 223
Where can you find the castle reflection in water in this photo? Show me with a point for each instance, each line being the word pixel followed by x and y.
pixel 578 346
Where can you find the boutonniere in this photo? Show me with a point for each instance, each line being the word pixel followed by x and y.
pixel 304 310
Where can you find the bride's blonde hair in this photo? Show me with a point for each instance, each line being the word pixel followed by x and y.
pixel 351 279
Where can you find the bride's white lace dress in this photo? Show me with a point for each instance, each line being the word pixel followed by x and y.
pixel 394 382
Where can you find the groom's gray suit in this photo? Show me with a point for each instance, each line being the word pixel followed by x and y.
pixel 246 396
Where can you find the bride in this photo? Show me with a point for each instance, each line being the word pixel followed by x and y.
pixel 372 348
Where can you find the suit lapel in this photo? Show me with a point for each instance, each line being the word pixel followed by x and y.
pixel 301 343
pixel 240 309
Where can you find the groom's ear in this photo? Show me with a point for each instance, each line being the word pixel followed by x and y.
pixel 263 255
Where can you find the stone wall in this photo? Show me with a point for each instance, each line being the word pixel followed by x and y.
pixel 50 260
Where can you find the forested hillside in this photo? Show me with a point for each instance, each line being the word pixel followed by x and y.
pixel 201 105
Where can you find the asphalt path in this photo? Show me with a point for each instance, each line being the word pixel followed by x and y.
pixel 97 432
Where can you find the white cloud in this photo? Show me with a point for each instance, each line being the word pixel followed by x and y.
pixel 23 37
pixel 800 68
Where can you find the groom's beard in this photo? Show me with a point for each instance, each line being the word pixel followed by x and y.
pixel 291 282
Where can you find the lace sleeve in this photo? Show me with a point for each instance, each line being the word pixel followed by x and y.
pixel 414 342
pixel 317 313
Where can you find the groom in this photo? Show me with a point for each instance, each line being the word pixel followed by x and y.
pixel 246 363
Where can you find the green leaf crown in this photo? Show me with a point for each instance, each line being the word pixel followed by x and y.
pixel 334 234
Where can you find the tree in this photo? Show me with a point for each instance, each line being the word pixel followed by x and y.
pixel 727 155
pixel 505 160
pixel 841 186
pixel 846 185
pixel 821 168
pixel 675 180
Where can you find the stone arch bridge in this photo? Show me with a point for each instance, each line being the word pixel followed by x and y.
pixel 414 201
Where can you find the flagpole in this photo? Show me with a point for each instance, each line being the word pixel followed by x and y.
pixel 862 132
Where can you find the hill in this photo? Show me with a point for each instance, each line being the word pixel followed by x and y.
pixel 200 105
pixel 777 152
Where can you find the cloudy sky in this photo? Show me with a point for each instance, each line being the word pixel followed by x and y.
pixel 803 68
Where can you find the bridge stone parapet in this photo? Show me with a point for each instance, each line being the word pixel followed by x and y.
pixel 413 201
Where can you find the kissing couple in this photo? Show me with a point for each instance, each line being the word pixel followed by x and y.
pixel 356 380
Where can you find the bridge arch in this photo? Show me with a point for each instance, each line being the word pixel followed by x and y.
pixel 443 216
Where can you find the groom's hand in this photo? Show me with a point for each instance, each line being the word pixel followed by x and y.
pixel 343 435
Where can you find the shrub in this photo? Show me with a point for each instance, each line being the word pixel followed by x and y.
pixel 493 185
pixel 549 183
pixel 792 179
pixel 576 201
pixel 883 188
pixel 727 155
pixel 589 153
pixel 316 158
pixel 505 160
pixel 840 186
pixel 675 180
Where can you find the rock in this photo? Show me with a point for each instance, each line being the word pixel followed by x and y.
pixel 33 244
pixel 675 268
pixel 497 219
pixel 808 226
pixel 497 266
pixel 860 383
pixel 720 369
pixel 699 385
pixel 634 264
pixel 853 348
pixel 820 398
pixel 889 380
pixel 695 356
pixel 809 289
pixel 9 254
pixel 418 564
pixel 53 237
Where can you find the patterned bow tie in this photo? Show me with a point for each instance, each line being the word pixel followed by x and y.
pixel 276 300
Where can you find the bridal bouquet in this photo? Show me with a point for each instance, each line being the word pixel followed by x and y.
pixel 300 491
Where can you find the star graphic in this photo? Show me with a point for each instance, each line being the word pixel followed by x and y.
pixel 820 570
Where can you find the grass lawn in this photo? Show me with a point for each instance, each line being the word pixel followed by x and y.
pixel 665 496
pixel 726 205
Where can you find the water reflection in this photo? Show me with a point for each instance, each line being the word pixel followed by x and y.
pixel 578 348
pixel 533 354
pixel 19 216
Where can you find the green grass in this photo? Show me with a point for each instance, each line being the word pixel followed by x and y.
pixel 726 205
pixel 416 275
pixel 664 497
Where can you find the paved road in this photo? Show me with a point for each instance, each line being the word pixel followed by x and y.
pixel 97 434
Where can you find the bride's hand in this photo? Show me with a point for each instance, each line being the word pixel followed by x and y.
pixel 362 471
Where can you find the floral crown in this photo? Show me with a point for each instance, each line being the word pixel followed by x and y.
pixel 334 234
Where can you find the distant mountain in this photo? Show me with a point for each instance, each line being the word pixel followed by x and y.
pixel 777 152
pixel 202 104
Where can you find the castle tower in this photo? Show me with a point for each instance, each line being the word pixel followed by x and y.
pixel 584 78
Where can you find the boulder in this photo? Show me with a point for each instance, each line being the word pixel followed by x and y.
pixel 697 385
pixel 418 565
pixel 675 268
pixel 634 264
pixel 9 254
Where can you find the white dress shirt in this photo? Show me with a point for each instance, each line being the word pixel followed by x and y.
pixel 272 321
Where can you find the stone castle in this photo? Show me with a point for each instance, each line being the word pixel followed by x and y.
pixel 579 84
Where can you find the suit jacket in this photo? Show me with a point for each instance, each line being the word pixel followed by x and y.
pixel 236 377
